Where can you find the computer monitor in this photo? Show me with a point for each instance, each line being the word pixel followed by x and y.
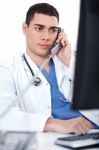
pixel 86 77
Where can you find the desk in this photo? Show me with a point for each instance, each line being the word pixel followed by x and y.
pixel 45 141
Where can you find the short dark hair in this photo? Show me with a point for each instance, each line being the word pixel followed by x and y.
pixel 43 8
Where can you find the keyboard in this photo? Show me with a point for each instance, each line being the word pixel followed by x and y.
pixel 81 137
pixel 79 141
pixel 17 141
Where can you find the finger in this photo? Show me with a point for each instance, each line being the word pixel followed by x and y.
pixel 81 129
pixel 88 123
pixel 63 39
pixel 64 42
pixel 61 36
pixel 84 126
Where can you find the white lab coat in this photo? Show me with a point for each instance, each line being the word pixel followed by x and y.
pixel 33 108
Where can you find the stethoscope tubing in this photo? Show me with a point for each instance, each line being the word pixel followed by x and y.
pixel 37 80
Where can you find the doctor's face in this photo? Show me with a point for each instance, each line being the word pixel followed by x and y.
pixel 40 34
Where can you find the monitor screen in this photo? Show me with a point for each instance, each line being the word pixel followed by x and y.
pixel 86 78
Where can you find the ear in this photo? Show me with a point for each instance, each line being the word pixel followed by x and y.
pixel 24 28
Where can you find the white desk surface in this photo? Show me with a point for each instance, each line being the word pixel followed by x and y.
pixel 45 141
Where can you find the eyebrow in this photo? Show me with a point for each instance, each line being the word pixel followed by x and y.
pixel 40 25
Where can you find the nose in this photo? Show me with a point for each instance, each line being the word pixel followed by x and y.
pixel 45 35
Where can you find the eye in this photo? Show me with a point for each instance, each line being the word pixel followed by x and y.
pixel 38 28
pixel 54 30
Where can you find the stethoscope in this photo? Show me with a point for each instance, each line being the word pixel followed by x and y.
pixel 37 80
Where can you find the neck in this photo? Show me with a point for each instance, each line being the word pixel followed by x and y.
pixel 38 60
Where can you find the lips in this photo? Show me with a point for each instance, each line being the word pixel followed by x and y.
pixel 44 46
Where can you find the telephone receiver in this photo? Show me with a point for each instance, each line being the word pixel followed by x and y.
pixel 57 46
pixel 55 49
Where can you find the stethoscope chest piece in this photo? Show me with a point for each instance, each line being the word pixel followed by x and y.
pixel 37 81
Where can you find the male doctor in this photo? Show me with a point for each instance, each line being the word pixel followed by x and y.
pixel 45 106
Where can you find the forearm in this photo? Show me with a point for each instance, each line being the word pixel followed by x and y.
pixel 20 120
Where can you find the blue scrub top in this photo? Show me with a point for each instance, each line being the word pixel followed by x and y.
pixel 61 108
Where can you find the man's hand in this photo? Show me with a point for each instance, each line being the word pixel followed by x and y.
pixel 77 125
pixel 65 53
